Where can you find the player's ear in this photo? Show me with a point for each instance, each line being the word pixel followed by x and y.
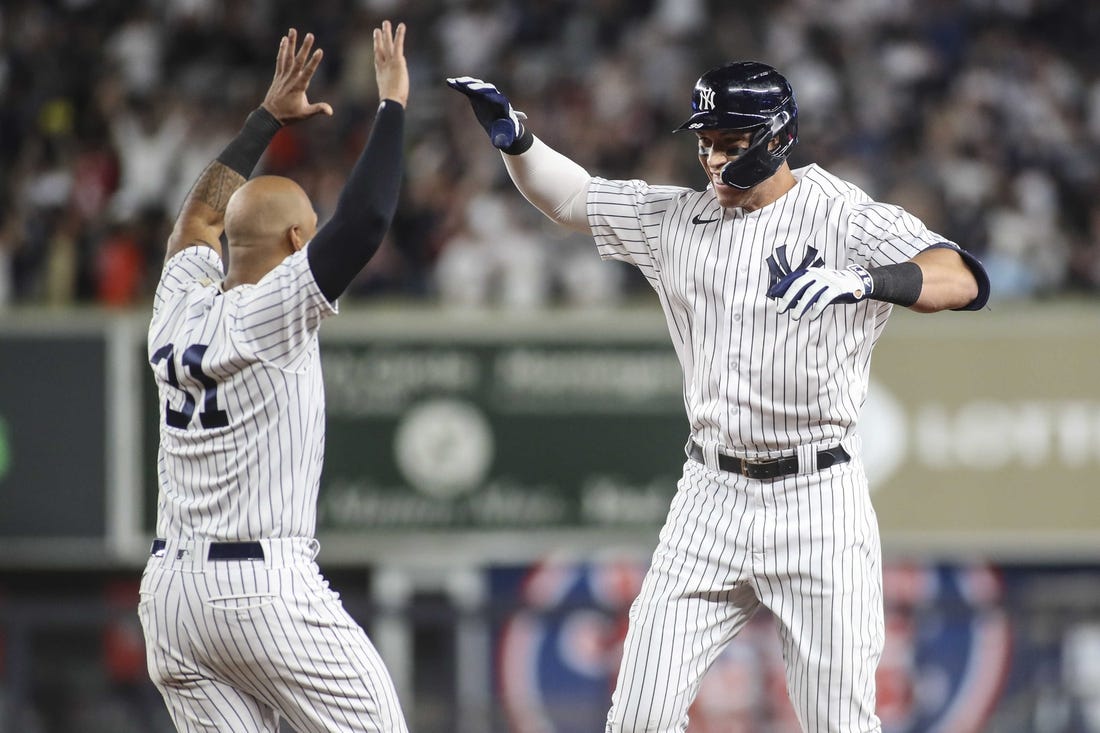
pixel 295 238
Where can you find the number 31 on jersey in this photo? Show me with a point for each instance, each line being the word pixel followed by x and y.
pixel 191 360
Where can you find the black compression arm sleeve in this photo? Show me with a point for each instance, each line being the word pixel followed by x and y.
pixel 244 151
pixel 365 209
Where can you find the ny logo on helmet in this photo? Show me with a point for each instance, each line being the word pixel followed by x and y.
pixel 706 99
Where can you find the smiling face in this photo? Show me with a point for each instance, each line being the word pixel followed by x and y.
pixel 720 147
pixel 716 149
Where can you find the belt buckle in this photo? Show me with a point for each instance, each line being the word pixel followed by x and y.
pixel 748 468
pixel 757 469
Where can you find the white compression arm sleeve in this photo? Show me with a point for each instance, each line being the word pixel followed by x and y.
pixel 556 185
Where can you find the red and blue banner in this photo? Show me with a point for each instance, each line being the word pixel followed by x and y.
pixel 970 649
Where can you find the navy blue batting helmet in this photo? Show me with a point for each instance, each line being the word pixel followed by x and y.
pixel 747 95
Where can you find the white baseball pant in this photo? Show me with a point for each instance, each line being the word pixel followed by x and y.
pixel 805 546
pixel 231 644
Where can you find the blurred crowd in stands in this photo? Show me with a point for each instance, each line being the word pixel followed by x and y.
pixel 980 116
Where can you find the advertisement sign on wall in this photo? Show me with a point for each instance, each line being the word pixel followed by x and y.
pixel 981 433
pixel 969 648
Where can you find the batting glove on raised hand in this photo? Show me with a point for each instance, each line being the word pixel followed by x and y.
pixel 810 288
pixel 503 124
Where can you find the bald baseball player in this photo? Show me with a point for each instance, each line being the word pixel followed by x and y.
pixel 241 628
pixel 775 284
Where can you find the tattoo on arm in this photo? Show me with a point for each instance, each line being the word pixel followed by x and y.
pixel 202 215
pixel 214 187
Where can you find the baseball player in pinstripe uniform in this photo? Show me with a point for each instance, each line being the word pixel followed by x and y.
pixel 240 626
pixel 775 284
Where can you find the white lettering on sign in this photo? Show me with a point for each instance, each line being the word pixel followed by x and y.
pixel 989 435
pixel 386 381
pixel 588 379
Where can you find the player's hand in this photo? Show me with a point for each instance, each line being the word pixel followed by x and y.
pixel 503 124
pixel 810 291
pixel 286 97
pixel 389 63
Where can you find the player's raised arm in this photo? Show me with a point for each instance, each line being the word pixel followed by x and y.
pixel 202 216
pixel 369 199
pixel 553 183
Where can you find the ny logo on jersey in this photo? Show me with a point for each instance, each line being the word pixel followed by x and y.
pixel 782 271
pixel 706 100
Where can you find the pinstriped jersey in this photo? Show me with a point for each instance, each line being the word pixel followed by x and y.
pixel 242 416
pixel 758 383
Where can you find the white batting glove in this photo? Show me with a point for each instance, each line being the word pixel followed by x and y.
pixel 812 290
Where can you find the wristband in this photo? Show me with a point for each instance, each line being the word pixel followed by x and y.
pixel 244 151
pixel 522 143
pixel 900 283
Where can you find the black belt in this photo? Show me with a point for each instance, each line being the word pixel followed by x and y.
pixel 771 468
pixel 222 550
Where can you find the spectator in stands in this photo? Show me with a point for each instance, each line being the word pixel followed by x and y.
pixel 960 97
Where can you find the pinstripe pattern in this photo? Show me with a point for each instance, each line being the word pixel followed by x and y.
pixel 759 384
pixel 258 476
pixel 233 644
pixel 806 548
pixel 804 381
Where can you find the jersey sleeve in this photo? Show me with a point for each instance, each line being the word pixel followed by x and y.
pixel 278 318
pixel 198 264
pixel 625 218
pixel 884 234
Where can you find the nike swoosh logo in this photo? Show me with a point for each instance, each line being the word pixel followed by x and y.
pixel 696 220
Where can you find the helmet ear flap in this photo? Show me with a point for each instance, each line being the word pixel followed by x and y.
pixel 761 160
pixel 785 129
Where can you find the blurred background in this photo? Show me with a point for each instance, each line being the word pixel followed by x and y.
pixel 505 417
